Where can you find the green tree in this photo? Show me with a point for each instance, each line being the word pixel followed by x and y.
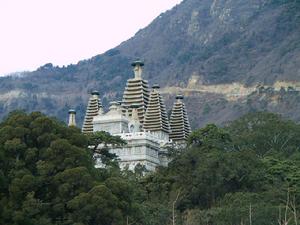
pixel 210 136
pixel 265 133
pixel 100 141
pixel 47 176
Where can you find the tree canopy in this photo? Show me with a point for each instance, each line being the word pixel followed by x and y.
pixel 47 176
pixel 247 172
pixel 247 169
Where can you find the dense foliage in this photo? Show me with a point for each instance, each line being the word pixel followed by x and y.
pixel 253 42
pixel 47 176
pixel 245 173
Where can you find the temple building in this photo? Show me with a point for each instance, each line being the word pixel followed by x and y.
pixel 136 92
pixel 141 120
pixel 93 108
pixel 180 126
pixel 156 119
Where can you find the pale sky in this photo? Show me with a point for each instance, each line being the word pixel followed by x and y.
pixel 35 32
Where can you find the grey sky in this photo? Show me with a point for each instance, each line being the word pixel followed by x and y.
pixel 35 32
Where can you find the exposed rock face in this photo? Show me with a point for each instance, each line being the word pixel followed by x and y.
pixel 207 49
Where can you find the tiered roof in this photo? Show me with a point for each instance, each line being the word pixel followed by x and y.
pixel 94 105
pixel 156 118
pixel 136 92
pixel 179 122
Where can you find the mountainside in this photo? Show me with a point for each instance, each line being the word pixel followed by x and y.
pixel 228 57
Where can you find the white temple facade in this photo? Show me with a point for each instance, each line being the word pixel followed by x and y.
pixel 141 120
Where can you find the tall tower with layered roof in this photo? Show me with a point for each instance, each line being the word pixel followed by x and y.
pixel 179 122
pixel 93 108
pixel 136 92
pixel 141 120
pixel 156 118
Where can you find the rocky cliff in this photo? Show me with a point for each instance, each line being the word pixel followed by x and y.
pixel 228 57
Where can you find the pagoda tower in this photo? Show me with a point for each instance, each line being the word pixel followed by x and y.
pixel 179 122
pixel 156 118
pixel 136 92
pixel 93 108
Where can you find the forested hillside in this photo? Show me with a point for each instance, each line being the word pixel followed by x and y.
pixel 199 43
pixel 244 173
